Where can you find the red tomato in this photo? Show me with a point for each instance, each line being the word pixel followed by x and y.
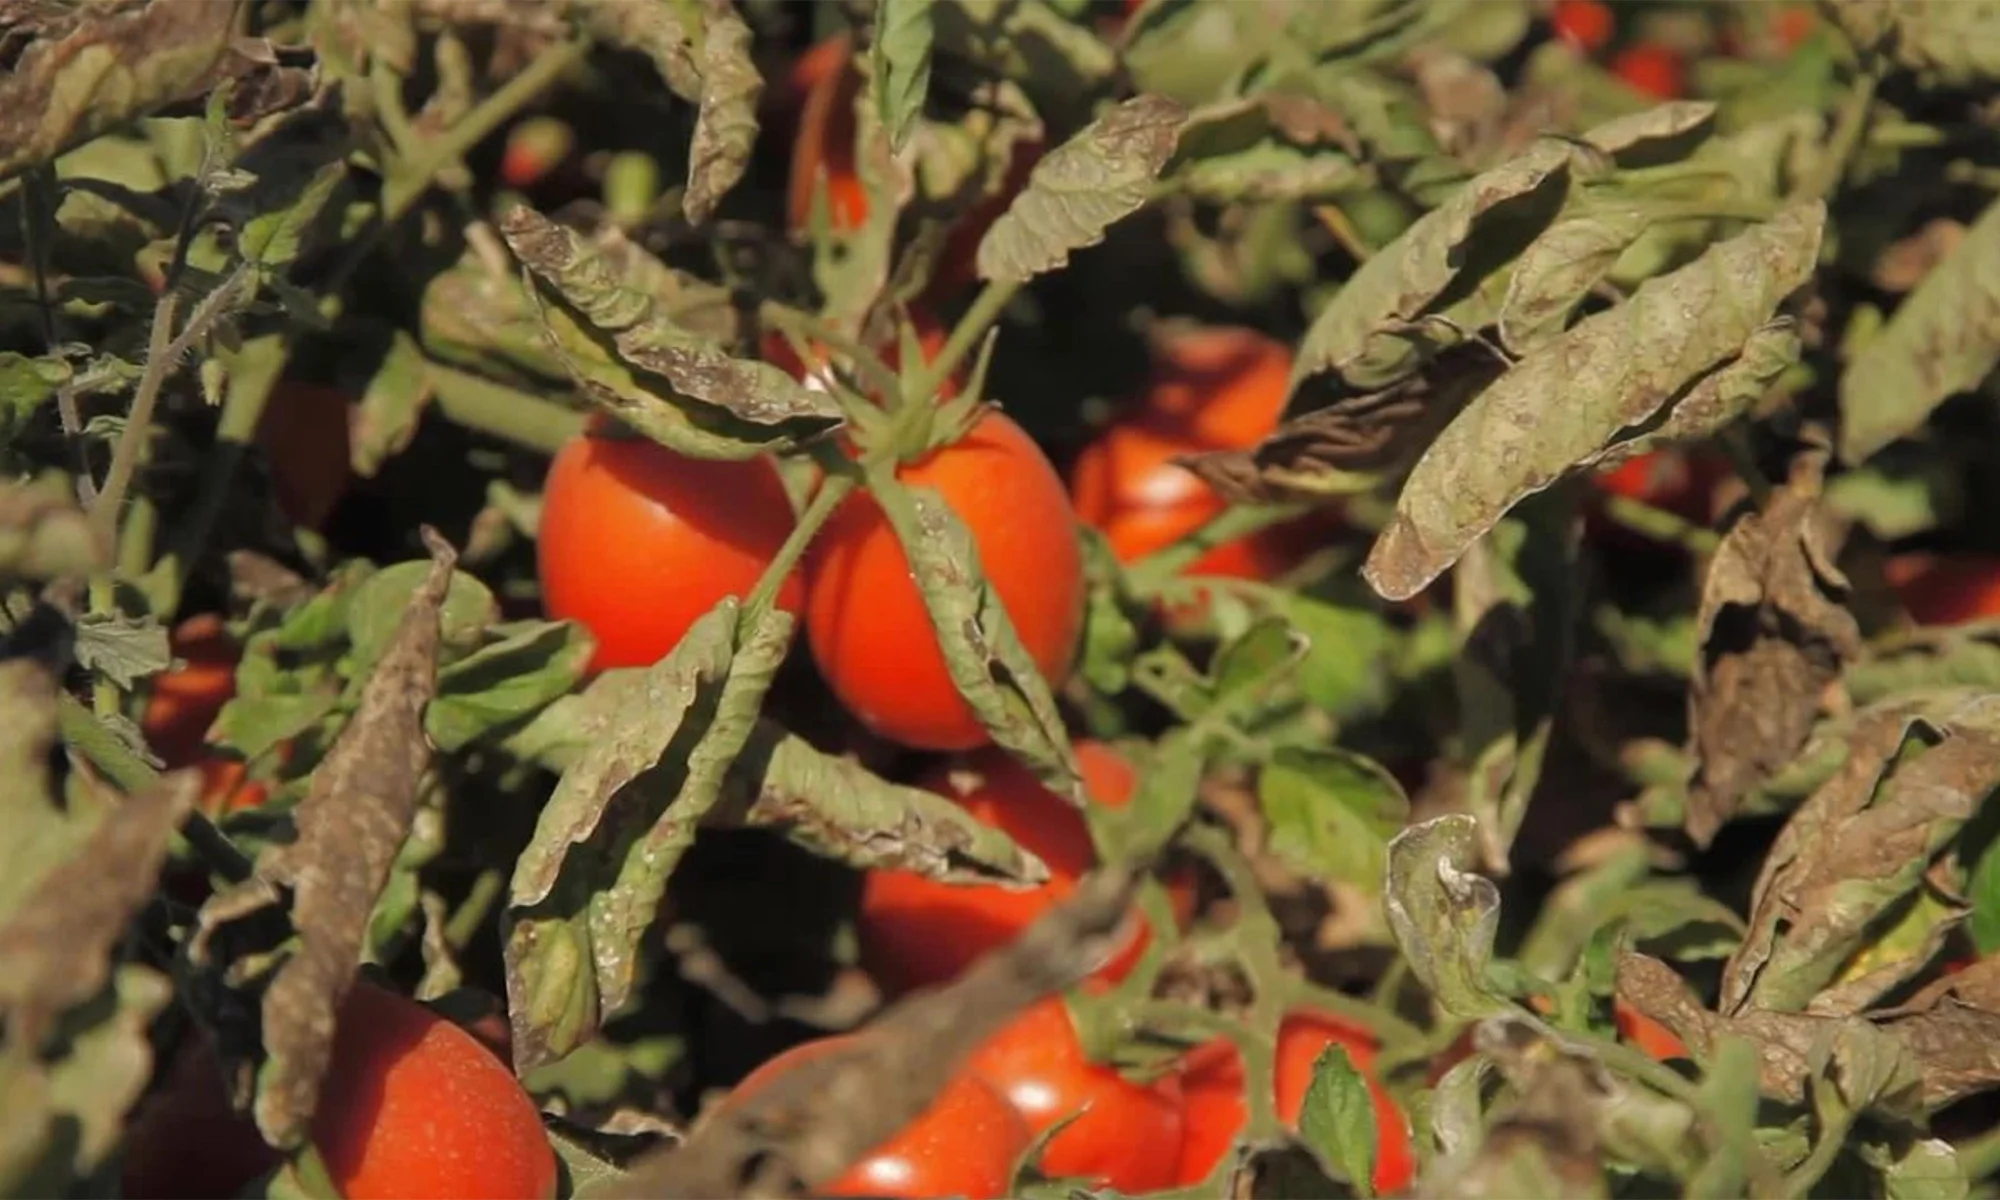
pixel 1651 68
pixel 1648 1035
pixel 965 1144
pixel 1586 25
pixel 1948 590
pixel 185 700
pixel 637 542
pixel 535 147
pixel 1215 1107
pixel 871 634
pixel 1124 1132
pixel 1221 388
pixel 412 1107
pixel 916 932
pixel 304 433
pixel 958 260
pixel 825 145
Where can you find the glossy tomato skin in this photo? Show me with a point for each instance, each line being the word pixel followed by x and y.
pixel 415 1107
pixel 1212 1082
pixel 1946 590
pixel 965 1144
pixel 1586 25
pixel 870 632
pixel 916 932
pixel 637 542
pixel 1124 1133
pixel 306 435
pixel 1652 69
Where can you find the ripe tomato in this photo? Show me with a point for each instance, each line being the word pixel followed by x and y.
pixel 534 148
pixel 871 634
pixel 965 1144
pixel 637 542
pixel 1655 1039
pixel 1946 590
pixel 1220 388
pixel 305 435
pixel 1213 1085
pixel 184 704
pixel 412 1107
pixel 1124 1132
pixel 825 145
pixel 1585 25
pixel 1651 68
pixel 916 932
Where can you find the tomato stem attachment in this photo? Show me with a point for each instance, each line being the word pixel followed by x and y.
pixel 840 480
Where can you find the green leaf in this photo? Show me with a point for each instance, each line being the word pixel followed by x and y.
pixel 1337 1119
pixel 1611 371
pixel 1444 915
pixel 122 649
pixel 589 884
pixel 1331 814
pixel 274 238
pixel 1560 269
pixel 1081 188
pixel 1350 658
pixel 506 682
pixel 391 405
pixel 1982 893
pixel 1946 43
pixel 900 58
pixel 989 666
pixel 1943 339
pixel 725 125
pixel 375 610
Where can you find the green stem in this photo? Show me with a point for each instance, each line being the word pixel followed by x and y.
pixel 414 175
pixel 465 922
pixel 138 422
pixel 1848 130
pixel 985 310
pixel 1799 1182
pixel 1151 573
pixel 1660 525
pixel 503 412
pixel 831 492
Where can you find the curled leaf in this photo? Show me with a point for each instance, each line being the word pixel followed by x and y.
pixel 1444 915
pixel 1559 269
pixel 1081 188
pixel 725 127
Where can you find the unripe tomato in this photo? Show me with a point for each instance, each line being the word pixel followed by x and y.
pixel 916 932
pixel 871 634
pixel 965 1144
pixel 412 1107
pixel 637 541
pixel 305 433
pixel 1124 1132
pixel 1946 590
pixel 1586 25
pixel 1651 68
pixel 825 145
pixel 1216 1109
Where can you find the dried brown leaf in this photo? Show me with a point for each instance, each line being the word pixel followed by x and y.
pixel 808 1125
pixel 58 945
pixel 1773 633
pixel 351 827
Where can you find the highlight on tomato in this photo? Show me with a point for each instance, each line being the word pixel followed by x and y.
pixel 965 1144
pixel 306 435
pixel 1211 389
pixel 638 541
pixel 1212 1083
pixel 870 633
pixel 1123 1131
pixel 916 932
pixel 1946 589
pixel 412 1108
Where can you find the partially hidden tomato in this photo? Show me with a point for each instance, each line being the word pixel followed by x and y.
pixel 1124 1132
pixel 412 1107
pixel 1946 589
pixel 915 932
pixel 871 634
pixel 306 436
pixel 1213 389
pixel 184 703
pixel 1652 69
pixel 823 154
pixel 1656 1040
pixel 637 541
pixel 1586 25
pixel 535 147
pixel 965 1144
pixel 1212 1082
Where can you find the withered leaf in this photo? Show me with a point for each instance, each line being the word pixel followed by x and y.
pixel 725 126
pixel 1574 392
pixel 1853 852
pixel 1947 43
pixel 351 826
pixel 1773 634
pixel 1081 188
pixel 808 1125
pixel 58 945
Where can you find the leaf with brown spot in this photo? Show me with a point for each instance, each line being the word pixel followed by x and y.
pixel 725 126
pixel 1774 634
pixel 58 945
pixel 351 827
pixel 1851 857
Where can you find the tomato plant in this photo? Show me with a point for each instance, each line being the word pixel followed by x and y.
pixel 965 1144
pixel 916 932
pixel 1212 1085
pixel 637 542
pixel 866 621
pixel 1121 1132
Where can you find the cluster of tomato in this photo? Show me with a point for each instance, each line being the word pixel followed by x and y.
pixel 1657 68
